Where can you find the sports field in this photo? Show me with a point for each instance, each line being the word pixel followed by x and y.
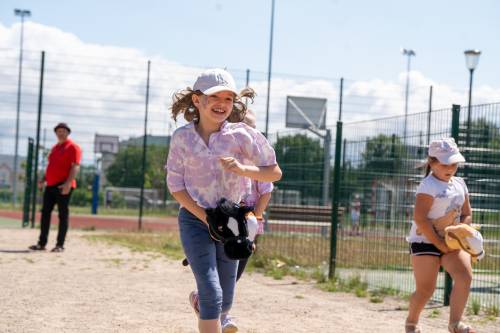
pixel 98 287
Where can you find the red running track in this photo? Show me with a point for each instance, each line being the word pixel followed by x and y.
pixel 105 222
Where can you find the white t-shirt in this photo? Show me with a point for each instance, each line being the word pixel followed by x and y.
pixel 355 211
pixel 447 196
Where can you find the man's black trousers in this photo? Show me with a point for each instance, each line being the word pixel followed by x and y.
pixel 52 196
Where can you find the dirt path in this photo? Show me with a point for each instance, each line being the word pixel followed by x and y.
pixel 93 287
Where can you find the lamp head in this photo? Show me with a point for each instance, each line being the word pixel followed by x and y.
pixel 22 12
pixel 408 52
pixel 472 59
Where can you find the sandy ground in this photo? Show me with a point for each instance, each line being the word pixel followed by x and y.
pixel 94 287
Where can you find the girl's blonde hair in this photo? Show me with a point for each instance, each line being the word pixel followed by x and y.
pixel 183 103
pixel 250 118
pixel 430 159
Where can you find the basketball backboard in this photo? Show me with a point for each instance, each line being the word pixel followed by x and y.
pixel 305 112
pixel 106 143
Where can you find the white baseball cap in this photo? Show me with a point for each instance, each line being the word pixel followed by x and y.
pixel 215 80
pixel 446 151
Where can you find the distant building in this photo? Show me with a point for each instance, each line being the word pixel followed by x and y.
pixel 152 140
pixel 7 172
pixel 109 145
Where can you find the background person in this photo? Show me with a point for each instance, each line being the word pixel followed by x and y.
pixel 64 165
pixel 355 215
pixel 440 195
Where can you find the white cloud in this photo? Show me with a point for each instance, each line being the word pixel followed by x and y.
pixel 101 89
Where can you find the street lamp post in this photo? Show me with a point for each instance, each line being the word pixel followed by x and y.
pixel 409 53
pixel 471 61
pixel 21 13
pixel 269 69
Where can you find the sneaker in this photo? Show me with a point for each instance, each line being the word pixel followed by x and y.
pixel 193 300
pixel 57 249
pixel 228 325
pixel 37 247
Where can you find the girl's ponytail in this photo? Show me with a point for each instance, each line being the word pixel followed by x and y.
pixel 427 169
pixel 430 160
pixel 183 103
pixel 240 107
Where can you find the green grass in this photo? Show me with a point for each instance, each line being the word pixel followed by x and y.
pixel 352 252
pixel 492 311
pixel 275 260
pixel 435 313
pixel 166 243
pixel 358 287
pixel 353 284
pixel 379 249
pixel 378 295
pixel 151 212
pixel 10 223
pixel 474 306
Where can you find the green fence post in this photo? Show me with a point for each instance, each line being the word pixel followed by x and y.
pixel 455 127
pixel 37 145
pixel 335 201
pixel 28 183
pixel 144 148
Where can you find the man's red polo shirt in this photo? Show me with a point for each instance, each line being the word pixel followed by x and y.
pixel 62 156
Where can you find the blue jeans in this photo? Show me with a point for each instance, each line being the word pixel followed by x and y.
pixel 215 273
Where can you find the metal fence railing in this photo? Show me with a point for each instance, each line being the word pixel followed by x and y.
pixel 378 162
pixel 380 168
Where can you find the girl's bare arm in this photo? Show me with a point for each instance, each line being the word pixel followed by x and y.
pixel 187 202
pixel 271 173
pixel 466 215
pixel 422 206
pixel 261 204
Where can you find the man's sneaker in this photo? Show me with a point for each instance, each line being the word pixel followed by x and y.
pixel 57 249
pixel 194 301
pixel 228 325
pixel 37 247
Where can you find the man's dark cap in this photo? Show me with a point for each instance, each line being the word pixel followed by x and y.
pixel 62 125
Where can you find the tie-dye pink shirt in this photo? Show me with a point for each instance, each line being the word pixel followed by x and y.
pixel 193 166
pixel 257 190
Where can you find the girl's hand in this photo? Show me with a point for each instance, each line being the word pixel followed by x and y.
pixel 231 164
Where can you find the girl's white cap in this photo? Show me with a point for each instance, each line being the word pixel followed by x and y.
pixel 446 151
pixel 215 80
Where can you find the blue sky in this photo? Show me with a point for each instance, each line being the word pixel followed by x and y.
pixel 97 53
pixel 355 39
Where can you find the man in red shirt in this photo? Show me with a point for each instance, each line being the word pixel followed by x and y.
pixel 64 164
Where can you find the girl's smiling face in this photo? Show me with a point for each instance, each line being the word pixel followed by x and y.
pixel 214 108
pixel 443 172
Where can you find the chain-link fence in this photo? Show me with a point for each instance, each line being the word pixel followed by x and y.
pixel 380 170
pixel 379 166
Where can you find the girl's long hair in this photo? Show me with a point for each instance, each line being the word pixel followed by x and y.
pixel 183 103
pixel 430 160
